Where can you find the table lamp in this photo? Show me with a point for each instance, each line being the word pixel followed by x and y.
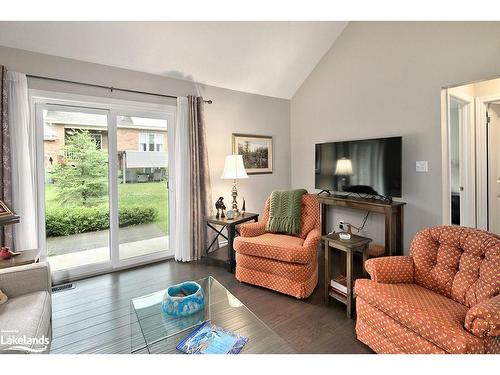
pixel 234 170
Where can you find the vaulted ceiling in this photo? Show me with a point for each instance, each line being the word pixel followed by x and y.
pixel 267 58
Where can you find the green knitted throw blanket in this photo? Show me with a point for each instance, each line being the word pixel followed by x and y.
pixel 285 211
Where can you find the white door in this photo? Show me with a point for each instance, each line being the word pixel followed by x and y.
pixel 494 169
pixel 462 160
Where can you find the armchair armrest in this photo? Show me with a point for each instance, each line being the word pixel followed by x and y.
pixel 483 319
pixel 312 239
pixel 391 270
pixel 16 281
pixel 252 229
pixel 307 253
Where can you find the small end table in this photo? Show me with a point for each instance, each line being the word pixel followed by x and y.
pixel 230 226
pixel 26 257
pixel 356 243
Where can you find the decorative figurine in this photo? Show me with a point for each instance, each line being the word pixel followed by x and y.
pixel 6 253
pixel 219 205
pixel 243 208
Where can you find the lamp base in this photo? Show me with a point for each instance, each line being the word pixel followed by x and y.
pixel 234 205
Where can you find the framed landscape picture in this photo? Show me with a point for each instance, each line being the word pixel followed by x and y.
pixel 257 152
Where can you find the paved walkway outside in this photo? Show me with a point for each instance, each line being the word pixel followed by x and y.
pixel 91 240
pixel 93 247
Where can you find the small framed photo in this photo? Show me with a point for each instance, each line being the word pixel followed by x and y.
pixel 257 152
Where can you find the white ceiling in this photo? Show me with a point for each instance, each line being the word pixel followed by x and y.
pixel 268 58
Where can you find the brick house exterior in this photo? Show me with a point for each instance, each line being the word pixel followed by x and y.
pixel 132 135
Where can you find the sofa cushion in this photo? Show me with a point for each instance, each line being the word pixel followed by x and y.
pixel 386 335
pixel 27 315
pixel 274 246
pixel 431 315
pixel 457 262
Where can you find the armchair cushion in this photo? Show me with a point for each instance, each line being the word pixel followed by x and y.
pixel 430 315
pixel 483 320
pixel 391 270
pixel 274 246
pixel 310 214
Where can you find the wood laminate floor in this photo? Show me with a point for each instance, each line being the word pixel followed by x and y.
pixel 94 317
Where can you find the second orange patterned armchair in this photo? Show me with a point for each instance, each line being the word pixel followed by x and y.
pixel 287 264
pixel 443 298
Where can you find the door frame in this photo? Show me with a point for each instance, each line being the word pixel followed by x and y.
pixel 482 103
pixel 110 107
pixel 468 167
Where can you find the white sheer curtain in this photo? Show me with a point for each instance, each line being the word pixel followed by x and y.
pixel 181 186
pixel 23 161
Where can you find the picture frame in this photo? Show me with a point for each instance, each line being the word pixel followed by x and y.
pixel 257 152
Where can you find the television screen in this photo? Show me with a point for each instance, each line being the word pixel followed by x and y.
pixel 369 166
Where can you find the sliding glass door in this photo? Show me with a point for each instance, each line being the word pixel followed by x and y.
pixel 142 185
pixel 105 177
pixel 76 181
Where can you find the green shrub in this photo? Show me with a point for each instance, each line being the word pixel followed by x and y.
pixel 137 215
pixel 72 220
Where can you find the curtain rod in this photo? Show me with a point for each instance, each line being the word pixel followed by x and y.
pixel 110 88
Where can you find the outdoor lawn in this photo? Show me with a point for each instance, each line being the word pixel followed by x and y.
pixel 153 194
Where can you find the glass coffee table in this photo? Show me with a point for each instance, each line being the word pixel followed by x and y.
pixel 152 331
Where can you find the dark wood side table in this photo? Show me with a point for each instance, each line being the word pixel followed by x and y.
pixel 230 226
pixel 393 215
pixel 356 243
pixel 26 257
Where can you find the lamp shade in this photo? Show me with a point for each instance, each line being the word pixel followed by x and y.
pixel 234 168
pixel 344 167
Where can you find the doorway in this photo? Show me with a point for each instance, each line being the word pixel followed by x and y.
pixel 493 160
pixel 471 155
pixel 104 184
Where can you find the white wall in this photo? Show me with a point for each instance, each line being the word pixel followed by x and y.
pixel 384 79
pixel 231 112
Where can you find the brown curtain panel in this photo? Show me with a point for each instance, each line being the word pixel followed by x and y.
pixel 6 233
pixel 201 190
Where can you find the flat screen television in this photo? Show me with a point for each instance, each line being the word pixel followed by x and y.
pixel 365 167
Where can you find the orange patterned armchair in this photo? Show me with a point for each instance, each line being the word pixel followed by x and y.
pixel 287 264
pixel 443 298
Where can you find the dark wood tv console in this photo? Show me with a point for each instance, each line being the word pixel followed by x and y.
pixel 393 213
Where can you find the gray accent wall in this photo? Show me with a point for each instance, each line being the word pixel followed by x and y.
pixel 231 112
pixel 384 79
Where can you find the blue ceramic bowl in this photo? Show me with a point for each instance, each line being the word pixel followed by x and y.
pixel 183 299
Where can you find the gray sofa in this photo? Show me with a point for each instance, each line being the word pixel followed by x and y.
pixel 26 318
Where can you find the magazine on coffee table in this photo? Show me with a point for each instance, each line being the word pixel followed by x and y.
pixel 210 339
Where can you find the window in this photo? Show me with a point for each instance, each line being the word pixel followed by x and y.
pixel 150 142
pixel 159 142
